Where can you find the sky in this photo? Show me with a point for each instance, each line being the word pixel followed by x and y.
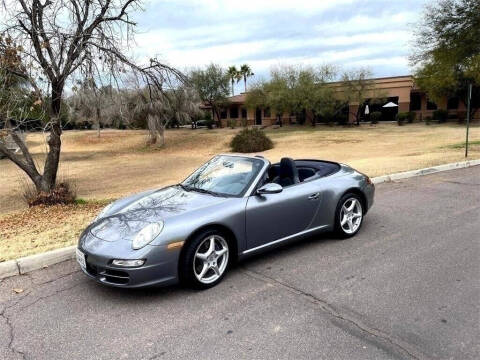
pixel 264 33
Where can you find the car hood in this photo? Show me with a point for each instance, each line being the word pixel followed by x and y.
pixel 128 216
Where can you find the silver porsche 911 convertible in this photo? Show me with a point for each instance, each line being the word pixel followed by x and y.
pixel 232 207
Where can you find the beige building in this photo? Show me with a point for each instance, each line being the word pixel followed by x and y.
pixel 400 90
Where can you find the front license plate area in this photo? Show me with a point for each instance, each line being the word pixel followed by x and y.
pixel 81 259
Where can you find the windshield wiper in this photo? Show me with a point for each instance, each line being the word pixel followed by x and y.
pixel 186 188
pixel 204 191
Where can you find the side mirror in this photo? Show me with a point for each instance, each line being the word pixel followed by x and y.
pixel 270 188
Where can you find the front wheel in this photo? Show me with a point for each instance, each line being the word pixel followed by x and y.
pixel 348 215
pixel 205 260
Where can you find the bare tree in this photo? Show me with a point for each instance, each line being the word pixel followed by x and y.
pixel 53 40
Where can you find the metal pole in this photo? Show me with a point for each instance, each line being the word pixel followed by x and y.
pixel 468 117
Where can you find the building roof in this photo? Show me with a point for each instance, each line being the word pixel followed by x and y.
pixel 238 99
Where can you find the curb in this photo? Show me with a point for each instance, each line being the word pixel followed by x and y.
pixel 425 171
pixel 34 262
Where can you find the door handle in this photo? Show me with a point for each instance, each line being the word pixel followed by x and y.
pixel 314 196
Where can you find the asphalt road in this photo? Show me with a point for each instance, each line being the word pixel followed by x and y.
pixel 406 287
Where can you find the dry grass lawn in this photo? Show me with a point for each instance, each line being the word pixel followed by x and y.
pixel 118 163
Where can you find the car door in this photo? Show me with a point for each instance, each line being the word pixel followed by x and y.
pixel 271 217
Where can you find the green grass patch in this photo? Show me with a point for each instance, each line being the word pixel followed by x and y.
pixel 461 145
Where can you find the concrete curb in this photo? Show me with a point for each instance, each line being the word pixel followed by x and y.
pixel 35 262
pixel 425 171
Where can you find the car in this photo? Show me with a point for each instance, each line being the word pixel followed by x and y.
pixel 232 207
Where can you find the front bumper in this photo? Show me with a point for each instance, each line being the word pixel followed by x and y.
pixel 160 268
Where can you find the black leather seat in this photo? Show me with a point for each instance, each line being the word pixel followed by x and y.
pixel 288 173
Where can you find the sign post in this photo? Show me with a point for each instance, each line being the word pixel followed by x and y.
pixel 468 117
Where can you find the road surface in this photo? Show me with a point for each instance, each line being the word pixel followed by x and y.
pixel 406 287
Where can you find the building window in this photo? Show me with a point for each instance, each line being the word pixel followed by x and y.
pixel 415 102
pixel 234 112
pixel 452 103
pixel 266 112
pixel 431 105
pixel 244 113
pixel 223 114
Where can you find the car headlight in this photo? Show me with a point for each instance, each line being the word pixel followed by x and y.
pixel 103 212
pixel 146 235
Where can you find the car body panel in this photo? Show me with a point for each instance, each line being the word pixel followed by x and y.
pixel 257 223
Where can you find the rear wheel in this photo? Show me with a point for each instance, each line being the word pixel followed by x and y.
pixel 205 260
pixel 348 215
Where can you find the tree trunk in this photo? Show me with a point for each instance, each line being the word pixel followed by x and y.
pixel 98 121
pixel 357 115
pixel 50 169
pixel 245 81
pixel 151 121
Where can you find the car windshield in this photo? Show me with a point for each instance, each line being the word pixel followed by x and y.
pixel 224 175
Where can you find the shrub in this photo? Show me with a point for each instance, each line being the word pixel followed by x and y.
pixel 412 115
pixel 440 115
pixel 209 123
pixel 401 118
pixel 375 117
pixel 461 115
pixel 251 140
pixel 232 123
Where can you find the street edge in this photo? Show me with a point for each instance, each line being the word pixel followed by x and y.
pixel 38 261
pixel 425 171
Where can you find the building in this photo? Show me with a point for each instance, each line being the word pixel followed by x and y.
pixel 400 90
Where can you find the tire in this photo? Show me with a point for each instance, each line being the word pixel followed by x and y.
pixel 200 266
pixel 349 221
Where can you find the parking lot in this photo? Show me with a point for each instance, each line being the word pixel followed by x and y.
pixel 406 287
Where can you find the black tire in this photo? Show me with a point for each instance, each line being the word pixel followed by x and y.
pixel 339 230
pixel 186 266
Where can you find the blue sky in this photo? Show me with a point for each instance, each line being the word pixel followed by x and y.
pixel 266 33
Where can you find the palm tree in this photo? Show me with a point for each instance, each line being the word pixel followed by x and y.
pixel 234 75
pixel 246 72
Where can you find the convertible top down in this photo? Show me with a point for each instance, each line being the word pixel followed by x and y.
pixel 233 206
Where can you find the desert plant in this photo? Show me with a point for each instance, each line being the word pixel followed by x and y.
pixel 412 115
pixel 401 118
pixel 440 115
pixel 232 123
pixel 461 116
pixel 251 140
pixel 375 117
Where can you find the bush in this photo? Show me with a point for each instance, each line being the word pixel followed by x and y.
pixel 461 115
pixel 375 117
pixel 440 115
pixel 402 117
pixel 209 123
pixel 251 140
pixel 232 123
pixel 412 115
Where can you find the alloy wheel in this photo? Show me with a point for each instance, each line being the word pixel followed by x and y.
pixel 211 259
pixel 351 215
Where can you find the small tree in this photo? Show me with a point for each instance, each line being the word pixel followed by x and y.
pixel 212 86
pixel 357 87
pixel 52 40
pixel 447 50
pixel 294 89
